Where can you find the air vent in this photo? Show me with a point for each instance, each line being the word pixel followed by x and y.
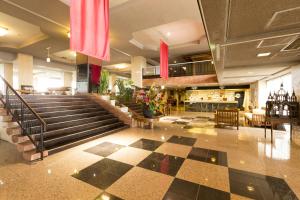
pixel 295 45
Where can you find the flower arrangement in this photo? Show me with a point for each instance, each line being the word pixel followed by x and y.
pixel 152 101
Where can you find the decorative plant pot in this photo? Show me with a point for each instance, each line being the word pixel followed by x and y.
pixel 105 97
pixel 147 113
pixel 113 102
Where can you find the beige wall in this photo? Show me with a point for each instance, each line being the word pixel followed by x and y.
pixel 8 72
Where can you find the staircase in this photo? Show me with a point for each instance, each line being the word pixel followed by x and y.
pixel 70 121
pixel 136 108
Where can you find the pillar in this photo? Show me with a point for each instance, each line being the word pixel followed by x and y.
pixel 25 69
pixel 8 73
pixel 112 80
pixel 137 65
pixel 68 77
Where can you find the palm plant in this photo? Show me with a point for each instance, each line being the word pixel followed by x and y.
pixel 125 90
pixel 104 83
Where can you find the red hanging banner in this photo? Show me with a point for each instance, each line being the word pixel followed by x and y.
pixel 164 61
pixel 89 21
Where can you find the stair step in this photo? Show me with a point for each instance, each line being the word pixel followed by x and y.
pixel 13 130
pixel 18 138
pixel 46 104
pixel 25 146
pixel 70 112
pixel 78 135
pixel 3 112
pixel 61 108
pixel 61 147
pixel 58 119
pixel 76 128
pixel 6 118
pixel 33 155
pixel 65 124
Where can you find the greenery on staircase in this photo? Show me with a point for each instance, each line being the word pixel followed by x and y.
pixel 125 90
pixel 104 83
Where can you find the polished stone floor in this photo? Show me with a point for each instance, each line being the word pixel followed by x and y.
pixel 170 162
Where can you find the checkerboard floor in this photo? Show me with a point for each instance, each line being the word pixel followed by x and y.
pixel 174 170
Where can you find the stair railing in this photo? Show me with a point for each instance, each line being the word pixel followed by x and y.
pixel 30 122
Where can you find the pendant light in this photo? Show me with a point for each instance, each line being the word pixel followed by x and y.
pixel 48 55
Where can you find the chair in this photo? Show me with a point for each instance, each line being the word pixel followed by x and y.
pixel 227 117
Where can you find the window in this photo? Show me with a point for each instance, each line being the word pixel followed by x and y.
pixel 273 85
pixel 45 78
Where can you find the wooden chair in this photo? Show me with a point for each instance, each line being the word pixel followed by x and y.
pixel 228 118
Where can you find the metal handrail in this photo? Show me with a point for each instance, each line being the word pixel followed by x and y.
pixel 19 116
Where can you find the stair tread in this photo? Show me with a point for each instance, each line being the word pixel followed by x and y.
pixel 52 133
pixel 69 144
pixel 79 133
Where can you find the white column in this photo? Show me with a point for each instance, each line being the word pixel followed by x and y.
pixel 262 94
pixel 68 77
pixel 25 69
pixel 112 80
pixel 8 73
pixel 137 65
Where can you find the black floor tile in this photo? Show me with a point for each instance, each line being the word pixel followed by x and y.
pixel 185 190
pixel 182 190
pixel 258 186
pixel 146 144
pixel 103 173
pixel 107 196
pixel 182 140
pixel 206 193
pixel 209 156
pixel 104 149
pixel 165 164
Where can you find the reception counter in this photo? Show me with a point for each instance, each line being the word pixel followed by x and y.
pixel 209 106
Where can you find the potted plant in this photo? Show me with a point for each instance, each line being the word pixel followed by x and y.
pixel 125 90
pixel 104 83
pixel 152 101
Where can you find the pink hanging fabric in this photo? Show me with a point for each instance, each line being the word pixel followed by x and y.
pixel 164 62
pixel 95 74
pixel 89 21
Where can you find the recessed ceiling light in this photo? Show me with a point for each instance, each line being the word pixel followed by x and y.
pixel 3 31
pixel 168 34
pixel 263 54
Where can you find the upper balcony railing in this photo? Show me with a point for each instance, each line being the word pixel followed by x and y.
pixel 182 69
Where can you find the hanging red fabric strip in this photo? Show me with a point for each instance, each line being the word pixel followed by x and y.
pixel 164 61
pixel 89 21
pixel 95 74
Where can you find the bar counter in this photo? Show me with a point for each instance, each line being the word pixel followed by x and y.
pixel 209 106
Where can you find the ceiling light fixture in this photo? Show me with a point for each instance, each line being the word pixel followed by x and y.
pixel 3 31
pixel 263 54
pixel 48 54
pixel 120 66
pixel 168 34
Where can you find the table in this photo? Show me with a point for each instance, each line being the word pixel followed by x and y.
pixel 279 120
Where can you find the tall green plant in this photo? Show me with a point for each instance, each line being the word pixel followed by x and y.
pixel 104 83
pixel 125 90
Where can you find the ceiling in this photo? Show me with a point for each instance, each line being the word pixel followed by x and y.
pixel 243 29
pixel 35 25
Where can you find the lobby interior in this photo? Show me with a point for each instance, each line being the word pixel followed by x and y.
pixel 216 116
